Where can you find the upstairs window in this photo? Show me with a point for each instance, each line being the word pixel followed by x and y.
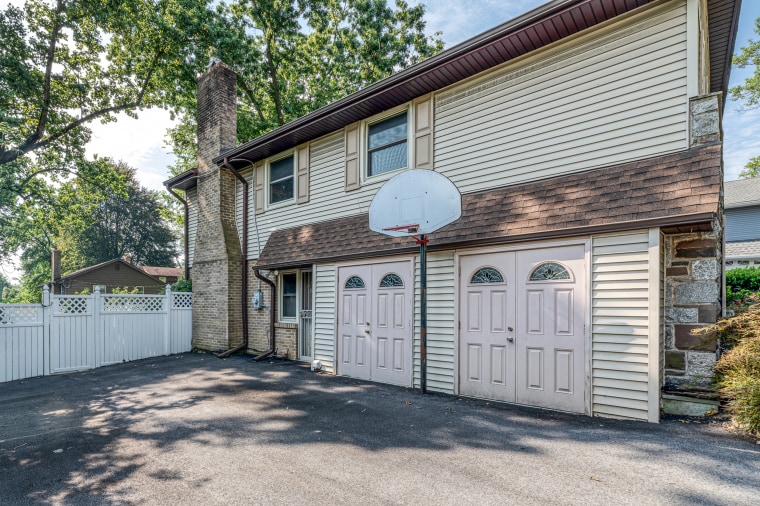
pixel 387 145
pixel 281 180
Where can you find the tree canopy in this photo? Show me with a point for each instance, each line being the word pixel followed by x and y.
pixel 295 56
pixel 67 63
pixel 748 92
pixel 91 219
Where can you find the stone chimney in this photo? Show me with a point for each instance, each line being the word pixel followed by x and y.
pixel 128 259
pixel 217 269
pixel 55 269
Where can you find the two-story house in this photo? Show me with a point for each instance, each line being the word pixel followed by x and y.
pixel 742 200
pixel 585 139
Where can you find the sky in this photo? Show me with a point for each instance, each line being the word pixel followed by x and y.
pixel 141 142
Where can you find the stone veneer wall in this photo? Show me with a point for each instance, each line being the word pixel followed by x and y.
pixel 693 295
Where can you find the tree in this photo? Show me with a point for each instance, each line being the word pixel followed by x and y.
pixel 748 92
pixel 104 215
pixel 66 63
pixel 122 223
pixel 752 169
pixel 295 56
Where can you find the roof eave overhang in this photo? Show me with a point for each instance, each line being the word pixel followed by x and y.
pixel 183 181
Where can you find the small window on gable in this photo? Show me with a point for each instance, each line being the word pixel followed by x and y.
pixel 549 271
pixel 486 275
pixel 281 180
pixel 354 282
pixel 387 145
pixel 391 281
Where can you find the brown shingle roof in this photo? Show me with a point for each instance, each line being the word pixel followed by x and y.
pixel 162 271
pixel 681 188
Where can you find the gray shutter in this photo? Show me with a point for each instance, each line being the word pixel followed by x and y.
pixel 258 187
pixel 423 132
pixel 302 172
pixel 352 177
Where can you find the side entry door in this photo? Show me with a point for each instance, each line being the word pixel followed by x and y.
pixel 487 316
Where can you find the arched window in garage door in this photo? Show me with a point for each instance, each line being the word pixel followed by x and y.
pixel 486 275
pixel 550 271
pixel 354 282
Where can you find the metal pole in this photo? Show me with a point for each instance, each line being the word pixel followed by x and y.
pixel 423 313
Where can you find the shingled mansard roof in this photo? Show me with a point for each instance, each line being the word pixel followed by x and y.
pixel 679 190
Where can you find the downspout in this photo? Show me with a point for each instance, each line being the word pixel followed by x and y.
pixel 244 289
pixel 272 312
pixel 187 230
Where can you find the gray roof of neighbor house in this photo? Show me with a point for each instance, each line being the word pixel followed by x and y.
pixel 744 249
pixel 742 193
pixel 537 28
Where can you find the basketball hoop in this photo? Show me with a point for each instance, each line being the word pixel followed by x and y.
pixel 410 229
pixel 426 201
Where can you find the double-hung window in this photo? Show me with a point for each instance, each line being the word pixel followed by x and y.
pixel 281 180
pixel 387 145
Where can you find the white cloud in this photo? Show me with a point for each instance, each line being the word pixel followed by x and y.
pixel 138 142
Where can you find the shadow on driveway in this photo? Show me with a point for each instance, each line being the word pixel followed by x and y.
pixel 193 428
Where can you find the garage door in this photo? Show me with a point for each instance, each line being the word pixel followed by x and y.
pixel 375 322
pixel 522 335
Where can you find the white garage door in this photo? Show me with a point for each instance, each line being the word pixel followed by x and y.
pixel 522 335
pixel 375 322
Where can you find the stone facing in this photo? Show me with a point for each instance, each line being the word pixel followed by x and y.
pixel 692 300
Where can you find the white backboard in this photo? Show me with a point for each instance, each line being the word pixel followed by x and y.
pixel 415 197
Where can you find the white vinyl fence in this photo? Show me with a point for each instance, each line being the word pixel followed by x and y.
pixel 77 332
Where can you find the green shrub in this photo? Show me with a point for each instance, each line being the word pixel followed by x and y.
pixel 738 369
pixel 183 285
pixel 742 282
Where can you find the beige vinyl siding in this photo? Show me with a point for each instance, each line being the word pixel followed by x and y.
pixel 248 176
pixel 589 106
pixel 191 196
pixel 441 328
pixel 622 346
pixel 324 315
pixel 328 199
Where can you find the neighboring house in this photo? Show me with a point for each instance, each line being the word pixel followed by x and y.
pixel 585 138
pixel 116 273
pixel 742 200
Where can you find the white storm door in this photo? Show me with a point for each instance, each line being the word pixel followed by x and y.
pixel 391 325
pixel 487 318
pixel 550 328
pixel 354 307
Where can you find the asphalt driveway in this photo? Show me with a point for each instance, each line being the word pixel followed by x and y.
pixel 193 429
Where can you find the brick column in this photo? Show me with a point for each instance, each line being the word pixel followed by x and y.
pixel 217 274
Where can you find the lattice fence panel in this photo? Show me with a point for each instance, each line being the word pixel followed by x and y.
pixel 20 314
pixel 72 305
pixel 132 303
pixel 182 300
